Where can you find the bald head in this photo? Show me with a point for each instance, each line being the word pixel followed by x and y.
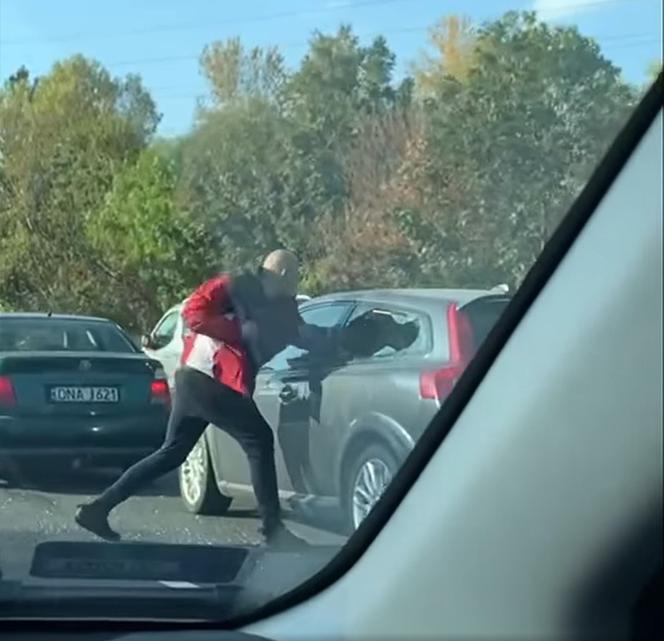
pixel 280 274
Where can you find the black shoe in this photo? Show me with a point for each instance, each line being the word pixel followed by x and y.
pixel 94 518
pixel 281 538
pixel 298 504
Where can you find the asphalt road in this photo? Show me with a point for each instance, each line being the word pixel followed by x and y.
pixel 43 511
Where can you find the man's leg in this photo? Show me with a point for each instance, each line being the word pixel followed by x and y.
pixel 240 418
pixel 182 433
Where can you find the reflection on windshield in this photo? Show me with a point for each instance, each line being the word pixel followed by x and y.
pixel 313 238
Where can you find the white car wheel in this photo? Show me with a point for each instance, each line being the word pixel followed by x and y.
pixel 198 485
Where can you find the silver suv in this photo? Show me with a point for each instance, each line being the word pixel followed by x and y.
pixel 333 454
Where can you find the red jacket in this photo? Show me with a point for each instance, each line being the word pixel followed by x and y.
pixel 215 345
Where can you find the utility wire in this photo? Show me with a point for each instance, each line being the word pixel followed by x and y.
pixel 358 4
pixel 200 25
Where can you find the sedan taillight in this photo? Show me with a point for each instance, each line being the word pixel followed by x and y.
pixel 159 392
pixel 7 394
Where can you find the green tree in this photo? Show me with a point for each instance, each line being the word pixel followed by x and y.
pixel 246 183
pixel 455 177
pixel 365 246
pixel 508 148
pixel 338 84
pixel 264 161
pixel 153 254
pixel 339 80
pixel 61 140
pixel 235 73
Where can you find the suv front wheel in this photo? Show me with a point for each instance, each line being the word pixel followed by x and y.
pixel 368 478
pixel 198 485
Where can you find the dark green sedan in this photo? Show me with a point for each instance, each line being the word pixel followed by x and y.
pixel 75 389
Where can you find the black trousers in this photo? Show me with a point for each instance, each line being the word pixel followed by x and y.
pixel 198 401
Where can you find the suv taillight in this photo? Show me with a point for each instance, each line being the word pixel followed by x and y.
pixel 7 394
pixel 159 392
pixel 438 384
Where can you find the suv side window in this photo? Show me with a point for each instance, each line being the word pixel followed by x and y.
pixel 165 331
pixel 325 315
pixel 420 345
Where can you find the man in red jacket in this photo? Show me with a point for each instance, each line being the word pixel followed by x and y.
pixel 237 325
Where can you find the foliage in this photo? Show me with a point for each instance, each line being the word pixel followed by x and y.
pixel 154 253
pixel 654 70
pixel 234 73
pixel 508 149
pixel 453 177
pixel 244 181
pixel 455 45
pixel 62 138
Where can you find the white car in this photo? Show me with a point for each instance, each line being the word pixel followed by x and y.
pixel 165 341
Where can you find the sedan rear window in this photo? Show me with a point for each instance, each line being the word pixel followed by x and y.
pixel 54 335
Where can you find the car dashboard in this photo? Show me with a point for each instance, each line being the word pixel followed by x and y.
pixel 141 583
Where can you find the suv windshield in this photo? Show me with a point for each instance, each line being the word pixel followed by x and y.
pixel 338 191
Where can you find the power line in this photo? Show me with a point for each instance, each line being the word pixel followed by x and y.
pixel 287 45
pixel 194 26
pixel 589 3
pixel 569 7
pixel 263 18
pixel 205 92
pixel 629 45
pixel 283 45
pixel 303 43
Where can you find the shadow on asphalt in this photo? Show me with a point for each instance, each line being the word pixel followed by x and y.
pixel 83 481
pixel 321 518
pixel 95 481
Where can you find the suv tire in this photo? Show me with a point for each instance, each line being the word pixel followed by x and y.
pixel 369 474
pixel 198 483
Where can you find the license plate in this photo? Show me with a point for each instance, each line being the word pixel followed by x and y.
pixel 88 394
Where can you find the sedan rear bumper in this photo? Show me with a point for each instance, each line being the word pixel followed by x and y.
pixel 74 458
pixel 107 437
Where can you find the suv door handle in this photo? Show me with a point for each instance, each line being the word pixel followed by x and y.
pixel 287 394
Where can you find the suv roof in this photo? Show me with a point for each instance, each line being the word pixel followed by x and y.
pixel 422 295
pixel 405 296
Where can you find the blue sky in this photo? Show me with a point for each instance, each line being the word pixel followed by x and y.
pixel 162 39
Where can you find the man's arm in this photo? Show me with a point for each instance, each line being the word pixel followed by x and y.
pixel 205 312
pixel 314 338
pixel 363 336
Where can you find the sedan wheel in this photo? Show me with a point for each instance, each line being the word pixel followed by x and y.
pixel 198 485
